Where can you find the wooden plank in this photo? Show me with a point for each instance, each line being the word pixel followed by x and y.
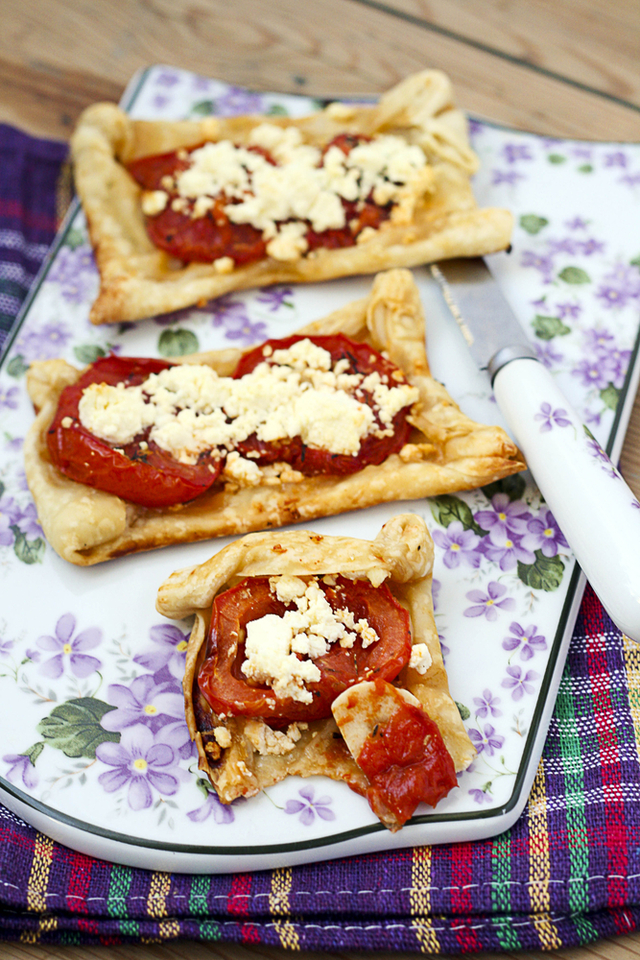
pixel 326 48
pixel 590 42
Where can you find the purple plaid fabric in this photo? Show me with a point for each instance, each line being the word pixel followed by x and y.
pixel 566 874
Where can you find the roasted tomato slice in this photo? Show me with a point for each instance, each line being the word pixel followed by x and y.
pixel 145 475
pixel 311 460
pixel 225 687
pixel 407 763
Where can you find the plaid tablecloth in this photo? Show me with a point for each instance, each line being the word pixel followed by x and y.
pixel 567 873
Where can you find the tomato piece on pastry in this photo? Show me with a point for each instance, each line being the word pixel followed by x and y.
pixel 294 631
pixel 398 746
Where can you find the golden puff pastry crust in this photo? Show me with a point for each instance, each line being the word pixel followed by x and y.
pixel 138 280
pixel 242 755
pixel 447 451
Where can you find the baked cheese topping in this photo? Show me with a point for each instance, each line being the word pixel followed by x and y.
pixel 273 642
pixel 304 187
pixel 190 410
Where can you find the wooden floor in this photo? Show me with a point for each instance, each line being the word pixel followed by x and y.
pixel 563 68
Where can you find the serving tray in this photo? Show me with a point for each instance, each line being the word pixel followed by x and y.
pixel 78 643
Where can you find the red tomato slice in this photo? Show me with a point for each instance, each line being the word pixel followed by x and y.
pixel 407 763
pixel 225 687
pixel 150 477
pixel 313 461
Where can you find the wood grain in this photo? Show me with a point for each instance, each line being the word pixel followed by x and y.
pixel 565 69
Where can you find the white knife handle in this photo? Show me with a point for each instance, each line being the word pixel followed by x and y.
pixel 595 509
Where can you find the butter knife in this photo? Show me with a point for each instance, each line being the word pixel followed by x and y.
pixel 593 506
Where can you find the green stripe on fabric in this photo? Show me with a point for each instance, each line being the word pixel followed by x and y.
pixel 13 289
pixel 501 892
pixel 577 836
pixel 198 904
pixel 119 885
pixel 129 928
pixel 69 938
pixel 210 930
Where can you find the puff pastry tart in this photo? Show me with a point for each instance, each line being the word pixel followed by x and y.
pixel 181 212
pixel 133 454
pixel 320 655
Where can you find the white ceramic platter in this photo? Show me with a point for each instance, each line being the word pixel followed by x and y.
pixel 76 643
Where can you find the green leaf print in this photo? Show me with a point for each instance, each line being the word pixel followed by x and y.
pixel 544 574
pixel 585 168
pixel 29 551
pixel 204 108
pixel 75 238
pixel 464 712
pixel 277 110
pixel 88 352
pixel 532 223
pixel 177 343
pixel 514 487
pixel 556 158
pixel 574 275
pixel 610 396
pixel 17 366
pixel 546 328
pixel 74 727
pixel 448 508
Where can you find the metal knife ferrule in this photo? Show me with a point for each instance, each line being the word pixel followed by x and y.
pixel 519 351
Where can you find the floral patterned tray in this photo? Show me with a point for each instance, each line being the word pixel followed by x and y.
pixel 95 751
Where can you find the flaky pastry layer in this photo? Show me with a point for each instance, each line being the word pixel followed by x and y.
pixel 448 451
pixel 138 280
pixel 400 556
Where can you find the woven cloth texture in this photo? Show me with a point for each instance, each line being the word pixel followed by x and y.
pixel 566 874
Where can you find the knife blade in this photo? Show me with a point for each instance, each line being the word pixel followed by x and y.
pixel 595 509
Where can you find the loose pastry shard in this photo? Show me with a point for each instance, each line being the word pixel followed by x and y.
pixel 181 212
pixel 443 451
pixel 320 655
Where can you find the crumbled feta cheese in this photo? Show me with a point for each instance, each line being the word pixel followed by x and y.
pixel 154 202
pixel 223 265
pixel 222 737
pixel 420 659
pixel 273 642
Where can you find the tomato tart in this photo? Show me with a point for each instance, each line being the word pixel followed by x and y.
pixel 182 212
pixel 134 453
pixel 314 655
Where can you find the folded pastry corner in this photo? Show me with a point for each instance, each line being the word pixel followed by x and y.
pixel 319 655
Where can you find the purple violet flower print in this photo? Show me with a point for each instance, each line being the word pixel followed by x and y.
pixel 487 604
pixel 221 812
pixel 543 533
pixel 487 704
pixel 577 224
pixel 505 518
pixel 527 639
pixel 459 544
pixel 28 522
pixel 237 101
pixel 548 354
pixel 516 151
pixel 9 515
pixel 141 762
pixel 274 297
pixel 480 796
pixel 44 343
pixel 169 651
pixel 6 646
pixel 144 701
pixel 505 176
pixel 308 807
pixel 486 741
pixel 544 264
pixel 551 418
pixel 241 328
pixel 9 397
pixel 571 310
pixel 519 683
pixel 70 649
pixel 21 768
pixel 508 552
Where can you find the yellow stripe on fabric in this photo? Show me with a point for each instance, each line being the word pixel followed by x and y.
pixel 631 653
pixel 158 893
pixel 39 875
pixel 420 900
pixel 46 924
pixel 539 865
pixel 281 882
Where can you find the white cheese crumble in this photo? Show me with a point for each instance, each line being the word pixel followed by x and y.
pixel 420 659
pixel 275 645
pixel 190 410
pixel 303 188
